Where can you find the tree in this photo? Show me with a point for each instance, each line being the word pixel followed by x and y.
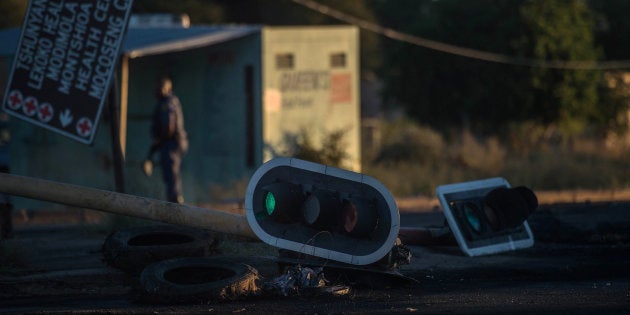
pixel 563 30
pixel 612 27
pixel 443 90
pixel 612 32
pixel 331 152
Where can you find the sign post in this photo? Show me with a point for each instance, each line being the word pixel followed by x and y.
pixel 64 63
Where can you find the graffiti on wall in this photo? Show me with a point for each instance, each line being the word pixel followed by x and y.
pixel 305 89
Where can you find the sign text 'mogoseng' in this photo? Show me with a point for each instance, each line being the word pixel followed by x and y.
pixel 64 62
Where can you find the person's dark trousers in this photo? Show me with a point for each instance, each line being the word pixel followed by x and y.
pixel 171 159
pixel 6 224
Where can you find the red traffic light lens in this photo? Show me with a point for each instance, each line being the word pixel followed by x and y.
pixel 358 217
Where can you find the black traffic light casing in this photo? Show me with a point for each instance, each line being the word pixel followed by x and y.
pixel 488 216
pixel 322 211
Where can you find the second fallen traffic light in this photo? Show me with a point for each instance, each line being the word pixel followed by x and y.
pixel 488 216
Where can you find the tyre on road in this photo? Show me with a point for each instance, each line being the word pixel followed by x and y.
pixel 132 249
pixel 197 279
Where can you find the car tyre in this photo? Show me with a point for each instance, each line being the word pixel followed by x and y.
pixel 132 249
pixel 197 279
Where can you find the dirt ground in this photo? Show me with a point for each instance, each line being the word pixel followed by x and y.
pixel 579 265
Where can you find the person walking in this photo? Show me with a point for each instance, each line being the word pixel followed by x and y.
pixel 169 140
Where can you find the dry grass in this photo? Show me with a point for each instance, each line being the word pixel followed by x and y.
pixel 532 157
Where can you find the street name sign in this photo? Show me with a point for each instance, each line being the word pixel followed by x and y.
pixel 64 62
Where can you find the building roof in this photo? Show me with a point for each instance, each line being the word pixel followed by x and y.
pixel 155 41
pixel 141 42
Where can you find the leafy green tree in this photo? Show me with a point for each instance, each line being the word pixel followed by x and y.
pixel 612 32
pixel 563 30
pixel 331 152
pixel 443 90
pixel 614 93
pixel 612 27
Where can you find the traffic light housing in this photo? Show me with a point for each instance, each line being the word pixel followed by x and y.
pixel 488 216
pixel 322 211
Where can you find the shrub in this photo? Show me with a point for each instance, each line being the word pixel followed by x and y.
pixel 408 142
pixel 485 156
pixel 331 152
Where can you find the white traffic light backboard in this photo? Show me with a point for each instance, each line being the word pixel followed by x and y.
pixel 461 203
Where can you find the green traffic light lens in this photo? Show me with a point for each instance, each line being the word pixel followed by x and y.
pixel 472 218
pixel 270 203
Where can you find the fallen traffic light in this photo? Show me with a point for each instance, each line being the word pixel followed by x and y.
pixel 322 211
pixel 487 216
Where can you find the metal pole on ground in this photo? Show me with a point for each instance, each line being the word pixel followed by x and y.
pixel 135 206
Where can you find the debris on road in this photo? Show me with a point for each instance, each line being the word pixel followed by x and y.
pixel 299 279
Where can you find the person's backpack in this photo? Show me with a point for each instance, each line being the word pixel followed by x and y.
pixel 164 121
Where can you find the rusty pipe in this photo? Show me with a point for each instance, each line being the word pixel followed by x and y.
pixel 129 205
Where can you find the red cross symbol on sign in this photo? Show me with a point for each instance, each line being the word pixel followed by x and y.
pixel 84 127
pixel 15 100
pixel 45 112
pixel 30 106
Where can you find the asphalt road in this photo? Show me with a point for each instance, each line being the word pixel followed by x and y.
pixel 580 264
